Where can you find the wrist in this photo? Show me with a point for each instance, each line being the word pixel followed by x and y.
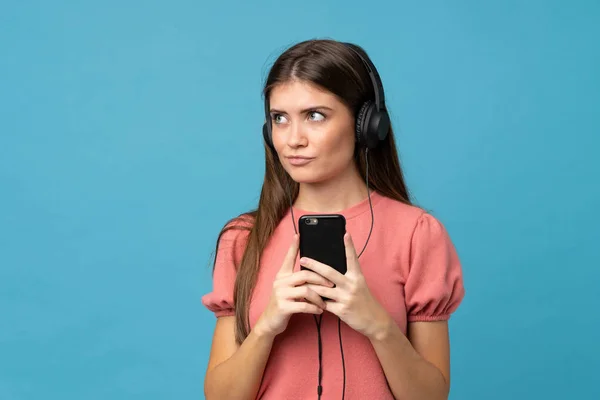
pixel 382 328
pixel 261 332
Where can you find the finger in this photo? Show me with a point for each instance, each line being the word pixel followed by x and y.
pixel 305 293
pixel 305 276
pixel 325 270
pixel 290 257
pixel 330 293
pixel 302 307
pixel 351 257
pixel 335 308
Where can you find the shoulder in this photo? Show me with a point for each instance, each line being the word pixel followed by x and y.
pixel 234 235
pixel 411 220
pixel 398 213
pixel 238 226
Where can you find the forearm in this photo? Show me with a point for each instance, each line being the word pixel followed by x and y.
pixel 409 375
pixel 239 377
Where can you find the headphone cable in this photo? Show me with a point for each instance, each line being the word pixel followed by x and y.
pixel 363 249
pixel 320 318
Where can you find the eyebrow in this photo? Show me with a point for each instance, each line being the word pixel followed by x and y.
pixel 273 110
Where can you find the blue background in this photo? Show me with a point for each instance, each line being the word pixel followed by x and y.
pixel 130 132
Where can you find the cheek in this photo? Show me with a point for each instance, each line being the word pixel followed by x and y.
pixel 277 140
pixel 340 144
pixel 336 151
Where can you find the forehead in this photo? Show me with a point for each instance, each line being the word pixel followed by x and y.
pixel 297 95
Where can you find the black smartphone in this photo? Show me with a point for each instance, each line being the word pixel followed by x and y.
pixel 322 239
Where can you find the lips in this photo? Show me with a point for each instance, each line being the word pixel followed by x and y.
pixel 299 161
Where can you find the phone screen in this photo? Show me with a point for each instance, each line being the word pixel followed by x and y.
pixel 322 239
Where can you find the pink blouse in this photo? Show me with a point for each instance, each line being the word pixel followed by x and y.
pixel 411 267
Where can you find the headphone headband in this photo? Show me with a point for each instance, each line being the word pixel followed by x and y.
pixel 373 74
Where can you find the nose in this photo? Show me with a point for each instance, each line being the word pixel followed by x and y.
pixel 296 136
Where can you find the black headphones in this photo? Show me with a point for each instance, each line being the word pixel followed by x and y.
pixel 372 120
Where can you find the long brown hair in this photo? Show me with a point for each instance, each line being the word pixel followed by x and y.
pixel 332 66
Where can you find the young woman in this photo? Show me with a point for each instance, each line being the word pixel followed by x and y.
pixel 383 333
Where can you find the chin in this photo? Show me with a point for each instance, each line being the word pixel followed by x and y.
pixel 306 180
pixel 308 176
pixel 303 177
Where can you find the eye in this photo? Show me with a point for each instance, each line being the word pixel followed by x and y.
pixel 316 116
pixel 278 118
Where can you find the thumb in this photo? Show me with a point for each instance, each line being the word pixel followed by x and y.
pixel 351 257
pixel 290 258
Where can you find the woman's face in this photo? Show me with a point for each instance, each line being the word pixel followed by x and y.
pixel 313 132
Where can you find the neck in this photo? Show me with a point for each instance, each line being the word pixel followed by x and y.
pixel 334 195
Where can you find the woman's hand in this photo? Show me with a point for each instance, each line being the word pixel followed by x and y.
pixel 291 295
pixel 351 299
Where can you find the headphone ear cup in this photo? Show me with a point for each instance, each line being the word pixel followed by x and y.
pixel 379 126
pixel 267 136
pixel 372 126
pixel 361 127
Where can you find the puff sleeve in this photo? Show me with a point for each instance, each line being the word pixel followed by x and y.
pixel 228 256
pixel 434 285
